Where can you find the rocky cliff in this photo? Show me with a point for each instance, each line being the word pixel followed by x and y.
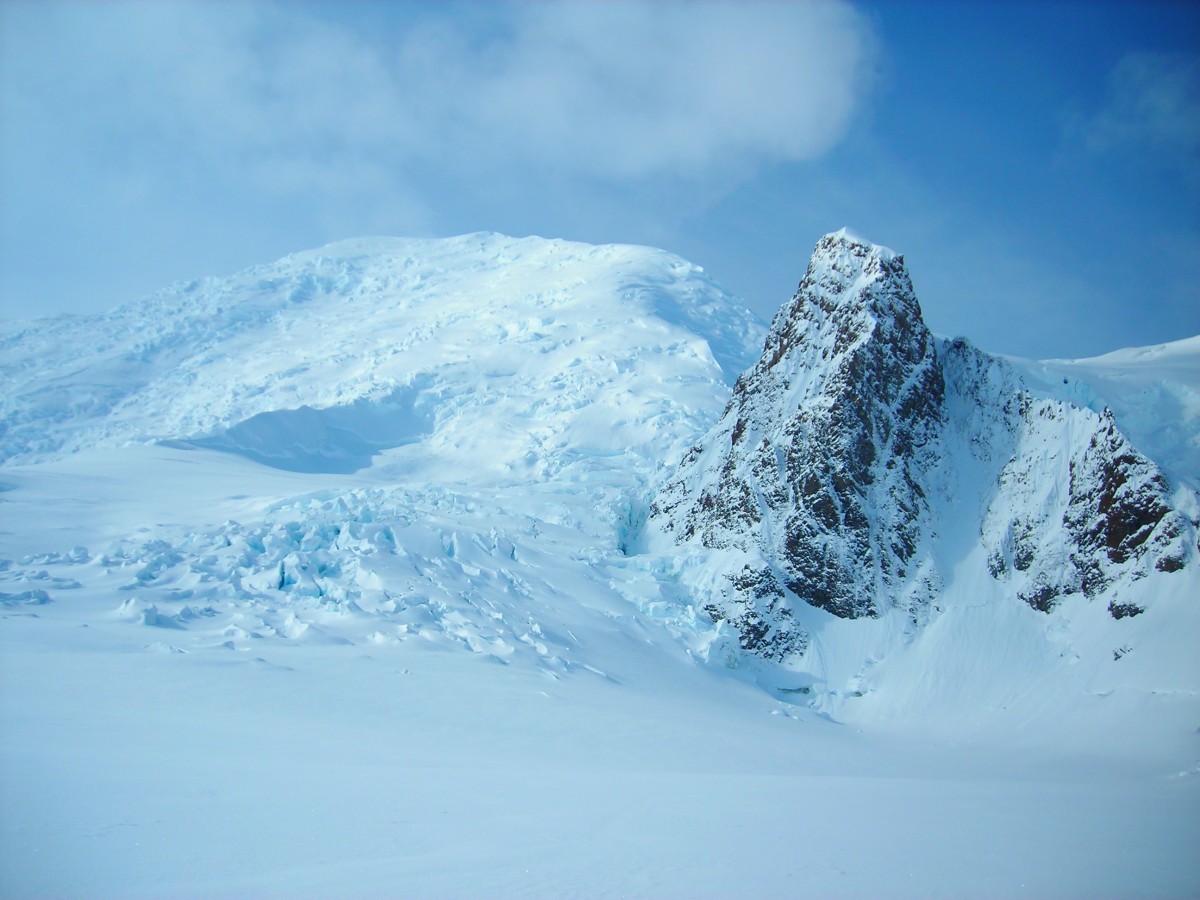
pixel 858 438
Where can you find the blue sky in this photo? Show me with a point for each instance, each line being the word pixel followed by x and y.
pixel 1037 163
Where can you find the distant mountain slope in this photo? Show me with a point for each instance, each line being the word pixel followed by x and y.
pixel 512 353
pixel 383 443
pixel 1153 392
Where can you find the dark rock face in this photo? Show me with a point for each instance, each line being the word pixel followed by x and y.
pixel 1117 496
pixel 1118 510
pixel 854 505
pixel 820 461
pixel 820 483
pixel 1095 512
pixel 757 608
pixel 1124 610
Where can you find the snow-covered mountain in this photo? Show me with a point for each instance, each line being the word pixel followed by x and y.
pixel 856 444
pixel 470 428
pixel 521 471
pixel 863 468
pixel 821 468
pixel 480 345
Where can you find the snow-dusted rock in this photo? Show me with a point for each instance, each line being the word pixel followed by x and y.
pixel 820 468
pixel 854 447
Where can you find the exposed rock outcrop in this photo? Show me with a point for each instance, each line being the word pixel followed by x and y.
pixel 819 468
pixel 857 433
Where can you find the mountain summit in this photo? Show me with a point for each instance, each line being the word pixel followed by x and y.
pixel 822 459
pixel 859 454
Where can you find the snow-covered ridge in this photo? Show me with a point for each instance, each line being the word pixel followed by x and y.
pixel 1153 392
pixel 864 469
pixel 526 349
pixel 849 238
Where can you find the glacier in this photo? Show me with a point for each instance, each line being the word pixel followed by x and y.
pixel 347 574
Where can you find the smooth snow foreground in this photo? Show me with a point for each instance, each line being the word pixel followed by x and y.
pixel 328 579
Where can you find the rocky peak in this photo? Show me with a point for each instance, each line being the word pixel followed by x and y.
pixel 819 467
pixel 1078 510
pixel 842 265
pixel 849 288
pixel 857 434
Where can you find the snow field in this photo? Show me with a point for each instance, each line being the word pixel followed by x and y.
pixel 365 770
pixel 330 578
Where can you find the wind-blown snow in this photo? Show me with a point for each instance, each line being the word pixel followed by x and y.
pixel 1154 392
pixel 332 577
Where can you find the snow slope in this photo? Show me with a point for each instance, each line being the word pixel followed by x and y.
pixel 331 577
pixel 1154 393
pixel 320 360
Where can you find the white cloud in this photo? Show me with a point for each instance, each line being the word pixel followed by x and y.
pixel 1153 105
pixel 157 138
pixel 617 90
pixel 600 89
